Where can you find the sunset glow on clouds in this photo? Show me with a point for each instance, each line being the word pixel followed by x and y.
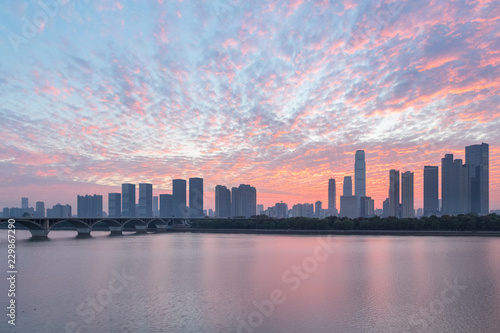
pixel 274 94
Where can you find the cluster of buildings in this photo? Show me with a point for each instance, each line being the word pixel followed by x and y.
pixel 464 189
pixel 124 204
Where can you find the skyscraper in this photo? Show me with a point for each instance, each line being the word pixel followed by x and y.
pixel 145 200
pixel 179 197
pixel 477 159
pixel 196 197
pixel 332 200
pixel 243 201
pixel 431 190
pixel 318 209
pixel 128 200
pixel 40 209
pixel 407 199
pixel 222 201
pixel 459 189
pixel 447 182
pixel 24 203
pixel 114 204
pixel 359 177
pixel 166 205
pixel 347 186
pixel 156 211
pixel 394 193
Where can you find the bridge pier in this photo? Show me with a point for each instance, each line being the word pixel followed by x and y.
pixel 161 228
pixel 141 229
pixel 83 232
pixel 116 230
pixel 39 233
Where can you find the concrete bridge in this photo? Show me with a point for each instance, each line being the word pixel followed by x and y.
pixel 40 227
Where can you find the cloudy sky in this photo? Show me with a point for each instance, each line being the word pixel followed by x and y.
pixel 279 95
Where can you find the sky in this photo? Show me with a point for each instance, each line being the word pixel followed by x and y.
pixel 278 95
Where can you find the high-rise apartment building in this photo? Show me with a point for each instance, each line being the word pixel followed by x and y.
pixel 477 160
pixel 89 205
pixel 318 209
pixel 179 197
pixel 394 193
pixel 114 204
pixel 407 191
pixel 196 197
pixel 243 201
pixel 24 203
pixel 166 205
pixel 367 207
pixel 332 200
pixel 223 201
pixel 128 200
pixel 431 190
pixel 447 181
pixel 156 211
pixel 145 200
pixel 40 209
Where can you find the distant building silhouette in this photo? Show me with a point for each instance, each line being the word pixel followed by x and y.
pixel 243 201
pixel 145 200
pixel 281 210
pixel 431 190
pixel 460 188
pixel 196 197
pixel 477 159
pixel 349 206
pixel 179 196
pixel 128 200
pixel 385 208
pixel 303 210
pixel 156 210
pixel 59 211
pixel 332 199
pixel 114 204
pixel 394 193
pixel 348 202
pixel 448 196
pixel 367 207
pixel 318 209
pixel 260 208
pixel 407 191
pixel 24 203
pixel 40 209
pixel 89 205
pixel 222 201
pixel 359 177
pixel 166 205
pixel 347 186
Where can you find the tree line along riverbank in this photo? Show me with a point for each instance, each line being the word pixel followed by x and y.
pixel 468 222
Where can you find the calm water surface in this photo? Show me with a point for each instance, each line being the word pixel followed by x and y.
pixel 183 282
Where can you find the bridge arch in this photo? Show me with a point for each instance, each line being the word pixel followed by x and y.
pixel 158 223
pixel 139 225
pixel 82 227
pixel 36 229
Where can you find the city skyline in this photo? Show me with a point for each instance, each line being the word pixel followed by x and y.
pixel 464 189
pixel 277 96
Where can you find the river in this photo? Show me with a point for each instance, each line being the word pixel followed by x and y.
pixel 202 282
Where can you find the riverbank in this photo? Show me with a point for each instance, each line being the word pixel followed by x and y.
pixel 342 232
